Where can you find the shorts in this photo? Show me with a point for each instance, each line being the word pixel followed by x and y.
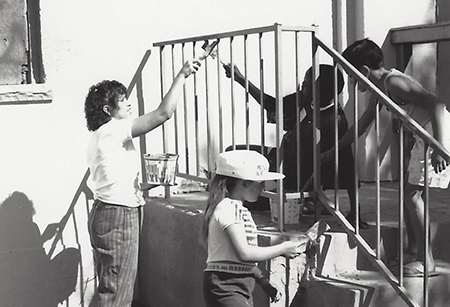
pixel 416 167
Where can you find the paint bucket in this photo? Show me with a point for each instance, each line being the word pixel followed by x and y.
pixel 161 168
pixel 293 209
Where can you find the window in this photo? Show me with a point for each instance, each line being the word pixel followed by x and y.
pixel 22 77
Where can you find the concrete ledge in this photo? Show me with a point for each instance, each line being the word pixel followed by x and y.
pixel 25 94
pixel 171 260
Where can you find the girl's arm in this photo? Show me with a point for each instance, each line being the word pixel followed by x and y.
pixel 153 119
pixel 249 253
pixel 405 90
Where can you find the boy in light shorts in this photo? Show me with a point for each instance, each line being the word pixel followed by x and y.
pixel 428 112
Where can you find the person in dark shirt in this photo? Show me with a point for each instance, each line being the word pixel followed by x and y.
pixel 327 130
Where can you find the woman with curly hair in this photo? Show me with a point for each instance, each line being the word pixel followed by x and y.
pixel 116 215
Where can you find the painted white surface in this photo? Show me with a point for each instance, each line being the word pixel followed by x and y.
pixel 43 152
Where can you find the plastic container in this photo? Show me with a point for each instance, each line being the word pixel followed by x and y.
pixel 293 209
pixel 161 168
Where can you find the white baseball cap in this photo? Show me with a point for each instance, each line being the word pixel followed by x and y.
pixel 245 164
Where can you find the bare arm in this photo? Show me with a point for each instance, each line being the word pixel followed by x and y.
pixel 269 101
pixel 348 138
pixel 249 253
pixel 406 90
pixel 155 118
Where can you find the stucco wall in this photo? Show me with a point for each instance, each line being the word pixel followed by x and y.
pixel 83 42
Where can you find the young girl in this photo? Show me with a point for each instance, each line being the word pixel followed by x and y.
pixel 116 215
pixel 229 233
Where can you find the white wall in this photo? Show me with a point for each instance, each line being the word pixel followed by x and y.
pixel 83 42
pixel 43 152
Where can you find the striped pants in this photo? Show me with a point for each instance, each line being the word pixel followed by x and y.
pixel 114 231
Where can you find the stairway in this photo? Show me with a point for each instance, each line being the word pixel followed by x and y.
pixel 346 278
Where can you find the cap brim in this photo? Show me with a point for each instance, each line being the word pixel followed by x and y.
pixel 268 176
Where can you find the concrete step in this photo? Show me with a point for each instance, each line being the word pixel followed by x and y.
pixel 370 289
pixel 346 278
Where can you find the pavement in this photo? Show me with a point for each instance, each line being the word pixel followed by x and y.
pixel 439 202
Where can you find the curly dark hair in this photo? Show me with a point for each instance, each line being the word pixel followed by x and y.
pixel 107 92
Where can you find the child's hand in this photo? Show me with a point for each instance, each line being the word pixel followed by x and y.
pixel 237 73
pixel 302 242
pixel 190 67
pixel 270 290
pixel 293 249
pixel 438 162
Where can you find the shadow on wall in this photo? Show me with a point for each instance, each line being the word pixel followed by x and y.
pixel 28 275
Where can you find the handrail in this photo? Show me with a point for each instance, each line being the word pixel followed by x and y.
pixel 385 100
pixel 257 30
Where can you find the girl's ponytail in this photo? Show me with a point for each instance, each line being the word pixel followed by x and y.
pixel 219 188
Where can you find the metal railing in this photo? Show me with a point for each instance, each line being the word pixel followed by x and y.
pixel 262 38
pixel 430 142
pixel 211 118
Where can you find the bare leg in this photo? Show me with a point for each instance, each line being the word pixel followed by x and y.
pixel 412 244
pixel 415 226
pixel 351 216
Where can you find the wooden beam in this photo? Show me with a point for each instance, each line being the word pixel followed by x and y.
pixel 420 34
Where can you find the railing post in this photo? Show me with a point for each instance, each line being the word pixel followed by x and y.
pixel 356 155
pixel 233 106
pixel 280 124
pixel 185 108
pixel 426 230
pixel 297 109
pixel 197 144
pixel 316 123
pixel 261 94
pixel 336 137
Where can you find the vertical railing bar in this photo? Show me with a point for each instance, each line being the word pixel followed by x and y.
pixel 247 103
pixel 279 125
pixel 186 126
pixel 401 189
pixel 161 53
pixel 377 179
pixel 297 108
pixel 175 115
pixel 233 106
pixel 197 141
pixel 208 119
pixel 426 233
pixel 356 135
pixel 336 136
pixel 165 139
pixel 219 99
pixel 261 94
pixel 316 125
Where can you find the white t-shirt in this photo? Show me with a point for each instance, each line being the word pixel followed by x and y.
pixel 114 164
pixel 229 212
